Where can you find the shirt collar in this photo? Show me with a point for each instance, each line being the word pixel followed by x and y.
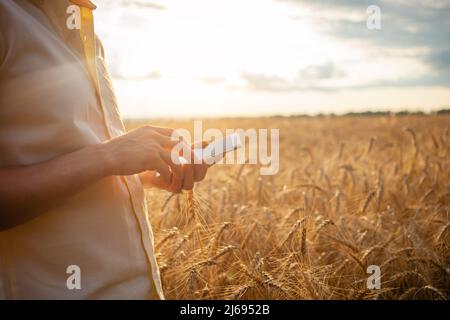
pixel 56 12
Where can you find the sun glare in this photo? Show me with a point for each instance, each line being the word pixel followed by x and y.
pixel 205 57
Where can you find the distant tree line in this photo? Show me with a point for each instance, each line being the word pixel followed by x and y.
pixel 375 114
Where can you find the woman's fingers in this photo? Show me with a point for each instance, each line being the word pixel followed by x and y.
pixel 152 179
pixel 163 171
pixel 188 180
pixel 200 171
pixel 199 144
pixel 177 176
pixel 166 141
pixel 177 168
pixel 163 130
pixel 176 185
pixel 200 168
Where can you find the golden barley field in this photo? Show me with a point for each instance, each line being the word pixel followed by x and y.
pixel 351 192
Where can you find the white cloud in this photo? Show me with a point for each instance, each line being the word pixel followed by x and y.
pixel 214 51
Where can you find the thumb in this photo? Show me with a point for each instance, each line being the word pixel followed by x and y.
pixel 199 144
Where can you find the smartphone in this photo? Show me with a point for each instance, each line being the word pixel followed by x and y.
pixel 217 149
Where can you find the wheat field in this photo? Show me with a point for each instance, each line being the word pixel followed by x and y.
pixel 351 192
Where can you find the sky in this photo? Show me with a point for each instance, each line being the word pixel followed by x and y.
pixel 196 58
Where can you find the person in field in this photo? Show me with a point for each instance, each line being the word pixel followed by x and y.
pixel 73 217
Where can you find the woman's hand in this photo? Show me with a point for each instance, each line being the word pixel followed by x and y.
pixel 144 149
pixel 28 191
pixel 191 173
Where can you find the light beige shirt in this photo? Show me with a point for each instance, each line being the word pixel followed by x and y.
pixel 56 97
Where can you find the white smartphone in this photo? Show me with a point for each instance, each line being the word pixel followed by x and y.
pixel 216 150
